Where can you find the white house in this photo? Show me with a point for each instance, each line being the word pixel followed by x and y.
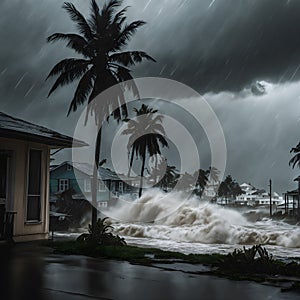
pixel 24 177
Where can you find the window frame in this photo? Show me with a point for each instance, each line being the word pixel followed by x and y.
pixel 41 187
pixel 100 185
pixel 65 180
pixel 121 187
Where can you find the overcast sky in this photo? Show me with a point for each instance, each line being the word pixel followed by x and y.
pixel 220 48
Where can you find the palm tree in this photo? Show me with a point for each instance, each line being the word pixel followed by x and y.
pixel 167 175
pixel 295 160
pixel 202 178
pixel 146 134
pixel 214 174
pixel 103 64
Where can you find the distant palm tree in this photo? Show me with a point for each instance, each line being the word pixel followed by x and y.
pixel 167 175
pixel 100 41
pixel 295 160
pixel 146 134
pixel 214 174
pixel 186 182
pixel 202 178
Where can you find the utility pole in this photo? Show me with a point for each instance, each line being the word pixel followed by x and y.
pixel 270 185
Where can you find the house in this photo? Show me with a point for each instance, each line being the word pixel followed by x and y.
pixel 290 203
pixel 264 199
pixel 249 195
pixel 24 176
pixel 77 177
pixel 211 190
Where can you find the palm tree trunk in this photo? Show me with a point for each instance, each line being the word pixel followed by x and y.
pixel 130 165
pixel 95 179
pixel 142 174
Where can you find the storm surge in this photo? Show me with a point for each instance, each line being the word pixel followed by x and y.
pixel 170 217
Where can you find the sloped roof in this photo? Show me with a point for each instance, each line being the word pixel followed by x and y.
pixel 11 127
pixel 104 174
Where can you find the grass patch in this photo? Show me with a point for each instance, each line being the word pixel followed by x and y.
pixel 132 253
pixel 253 264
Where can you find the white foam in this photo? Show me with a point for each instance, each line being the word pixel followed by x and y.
pixel 193 221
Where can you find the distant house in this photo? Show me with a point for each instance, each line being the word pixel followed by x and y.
pixel 290 203
pixel 24 176
pixel 77 177
pixel 256 197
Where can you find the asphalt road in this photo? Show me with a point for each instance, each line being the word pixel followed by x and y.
pixel 35 274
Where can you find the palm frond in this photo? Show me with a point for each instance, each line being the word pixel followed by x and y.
pixel 119 17
pixel 127 33
pixel 68 77
pixel 124 76
pixel 129 58
pixel 79 19
pixel 67 65
pixel 109 8
pixel 84 87
pixel 94 21
pixel 295 159
pixel 74 41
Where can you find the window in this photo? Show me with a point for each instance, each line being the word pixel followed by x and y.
pixel 69 167
pixel 112 187
pixel 63 185
pixel 87 185
pixel 34 186
pixel 121 187
pixel 102 186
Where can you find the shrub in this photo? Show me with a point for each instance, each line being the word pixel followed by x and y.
pixel 101 235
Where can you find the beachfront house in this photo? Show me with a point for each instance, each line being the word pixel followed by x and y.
pixel 24 177
pixel 77 177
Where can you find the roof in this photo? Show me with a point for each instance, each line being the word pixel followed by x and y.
pixel 104 173
pixel 11 127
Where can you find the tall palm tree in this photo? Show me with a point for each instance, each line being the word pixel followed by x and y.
pixel 202 178
pixel 164 176
pixel 103 64
pixel 187 182
pixel 146 136
pixel 170 177
pixel 295 160
pixel 214 174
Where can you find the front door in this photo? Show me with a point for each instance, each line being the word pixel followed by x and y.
pixel 5 163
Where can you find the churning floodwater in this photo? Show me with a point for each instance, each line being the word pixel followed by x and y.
pixel 170 222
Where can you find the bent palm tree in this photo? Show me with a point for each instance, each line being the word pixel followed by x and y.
pixel 146 134
pixel 100 42
pixel 295 160
pixel 214 174
pixel 202 179
pixel 170 178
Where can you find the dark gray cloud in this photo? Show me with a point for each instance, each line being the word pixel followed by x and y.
pixel 224 45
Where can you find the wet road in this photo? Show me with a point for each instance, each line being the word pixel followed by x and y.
pixel 27 274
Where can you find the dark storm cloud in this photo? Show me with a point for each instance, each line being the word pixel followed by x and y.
pixel 211 46
pixel 226 46
pixel 222 46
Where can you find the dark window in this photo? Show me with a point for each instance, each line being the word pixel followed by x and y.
pixel 3 176
pixel 34 186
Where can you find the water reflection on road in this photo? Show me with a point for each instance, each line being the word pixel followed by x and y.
pixel 28 274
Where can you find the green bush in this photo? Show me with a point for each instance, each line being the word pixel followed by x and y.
pixel 101 235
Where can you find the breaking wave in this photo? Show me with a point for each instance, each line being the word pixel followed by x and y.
pixel 195 221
